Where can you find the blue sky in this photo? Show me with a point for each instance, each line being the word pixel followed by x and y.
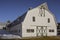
pixel 11 9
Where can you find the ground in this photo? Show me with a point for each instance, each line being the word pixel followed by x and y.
pixel 37 38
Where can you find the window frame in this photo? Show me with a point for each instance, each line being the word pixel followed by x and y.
pixel 33 19
pixel 48 20
pixel 30 30
pixel 51 30
pixel 43 11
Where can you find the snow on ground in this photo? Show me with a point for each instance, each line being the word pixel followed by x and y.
pixel 6 35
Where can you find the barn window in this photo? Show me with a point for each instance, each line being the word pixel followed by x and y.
pixel 33 19
pixel 42 11
pixel 30 30
pixel 48 20
pixel 51 30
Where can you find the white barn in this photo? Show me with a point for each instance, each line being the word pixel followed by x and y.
pixel 38 21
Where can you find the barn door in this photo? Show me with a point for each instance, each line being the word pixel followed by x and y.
pixel 44 31
pixel 41 31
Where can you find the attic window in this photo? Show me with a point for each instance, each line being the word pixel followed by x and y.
pixel 48 20
pixel 42 7
pixel 42 11
pixel 33 19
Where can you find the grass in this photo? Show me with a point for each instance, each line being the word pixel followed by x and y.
pixel 37 38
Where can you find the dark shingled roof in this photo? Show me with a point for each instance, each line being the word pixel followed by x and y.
pixel 18 20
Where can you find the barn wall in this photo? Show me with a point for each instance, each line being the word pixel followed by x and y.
pixel 39 21
pixel 17 29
